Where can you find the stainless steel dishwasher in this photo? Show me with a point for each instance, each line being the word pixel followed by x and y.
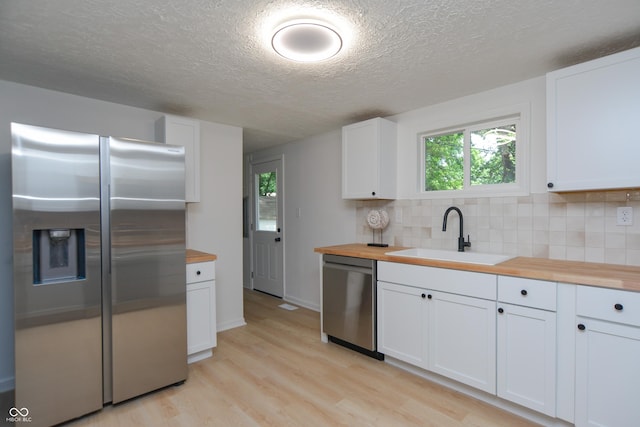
pixel 349 303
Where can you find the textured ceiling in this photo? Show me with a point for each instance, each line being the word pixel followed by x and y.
pixel 210 59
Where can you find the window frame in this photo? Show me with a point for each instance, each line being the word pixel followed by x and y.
pixel 520 187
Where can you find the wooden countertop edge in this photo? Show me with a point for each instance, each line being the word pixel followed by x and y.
pixel 613 276
pixel 194 256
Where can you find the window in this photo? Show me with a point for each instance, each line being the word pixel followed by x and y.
pixel 267 206
pixel 473 158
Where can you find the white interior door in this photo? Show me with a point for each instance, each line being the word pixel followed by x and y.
pixel 267 244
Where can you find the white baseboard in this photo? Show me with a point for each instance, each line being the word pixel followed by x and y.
pixel 302 303
pixel 231 324
pixel 196 357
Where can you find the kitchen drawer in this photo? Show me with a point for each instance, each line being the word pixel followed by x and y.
pixel 201 271
pixel 527 292
pixel 608 304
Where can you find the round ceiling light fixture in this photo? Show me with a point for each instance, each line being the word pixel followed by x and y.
pixel 306 41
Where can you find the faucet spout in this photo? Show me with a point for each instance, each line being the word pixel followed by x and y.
pixel 461 242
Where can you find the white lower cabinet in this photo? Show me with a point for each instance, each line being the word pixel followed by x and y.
pixel 402 323
pixel 201 310
pixel 607 357
pixel 527 357
pixel 452 335
pixel 526 343
pixel 514 337
pixel 462 339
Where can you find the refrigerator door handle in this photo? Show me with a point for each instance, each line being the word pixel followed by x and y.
pixel 107 237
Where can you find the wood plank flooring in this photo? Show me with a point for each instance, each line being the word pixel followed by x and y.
pixel 276 372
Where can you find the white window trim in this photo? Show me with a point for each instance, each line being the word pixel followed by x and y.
pixel 518 112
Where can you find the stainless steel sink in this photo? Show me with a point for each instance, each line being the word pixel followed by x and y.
pixel 452 256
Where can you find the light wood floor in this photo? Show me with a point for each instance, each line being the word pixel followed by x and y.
pixel 276 372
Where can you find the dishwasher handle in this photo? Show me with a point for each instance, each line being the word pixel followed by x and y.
pixel 345 267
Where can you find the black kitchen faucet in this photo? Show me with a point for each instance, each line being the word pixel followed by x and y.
pixel 461 243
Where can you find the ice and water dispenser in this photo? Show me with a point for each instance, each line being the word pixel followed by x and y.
pixel 58 255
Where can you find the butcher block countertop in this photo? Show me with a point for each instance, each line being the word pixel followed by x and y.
pixel 584 273
pixel 197 256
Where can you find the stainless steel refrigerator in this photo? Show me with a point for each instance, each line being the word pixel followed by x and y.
pixel 99 270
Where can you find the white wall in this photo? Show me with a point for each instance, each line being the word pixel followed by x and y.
pixel 214 226
pixel 312 169
pixel 478 107
pixel 312 185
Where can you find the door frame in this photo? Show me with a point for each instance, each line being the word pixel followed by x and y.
pixel 252 219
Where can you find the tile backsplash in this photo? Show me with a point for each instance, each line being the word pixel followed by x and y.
pixel 568 226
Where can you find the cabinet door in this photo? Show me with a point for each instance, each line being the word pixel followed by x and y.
pixel 607 374
pixel 183 131
pixel 201 327
pixel 402 322
pixel 527 357
pixel 462 339
pixel 592 110
pixel 369 160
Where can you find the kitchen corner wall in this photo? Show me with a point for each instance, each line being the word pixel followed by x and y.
pixel 574 226
pixel 570 226
pixel 314 212
pixel 215 223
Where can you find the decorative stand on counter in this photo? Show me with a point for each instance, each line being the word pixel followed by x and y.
pixel 377 220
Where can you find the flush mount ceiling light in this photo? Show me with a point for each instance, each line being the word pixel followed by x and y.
pixel 306 41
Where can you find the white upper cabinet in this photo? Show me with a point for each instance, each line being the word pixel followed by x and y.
pixel 182 131
pixel 592 114
pixel 369 160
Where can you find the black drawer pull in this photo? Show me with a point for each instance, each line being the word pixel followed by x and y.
pixel 582 327
pixel 618 307
pixel 424 296
pixel 429 296
pixel 524 292
pixel 198 273
pixel 500 310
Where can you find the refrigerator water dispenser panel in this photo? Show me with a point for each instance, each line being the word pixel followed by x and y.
pixel 58 255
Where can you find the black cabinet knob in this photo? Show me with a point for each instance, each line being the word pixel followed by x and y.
pixel 500 310
pixel 277 239
pixel 618 307
pixel 373 193
pixel 550 185
pixel 198 273
pixel 429 296
pixel 523 292
pixel 582 327
pixel 424 296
